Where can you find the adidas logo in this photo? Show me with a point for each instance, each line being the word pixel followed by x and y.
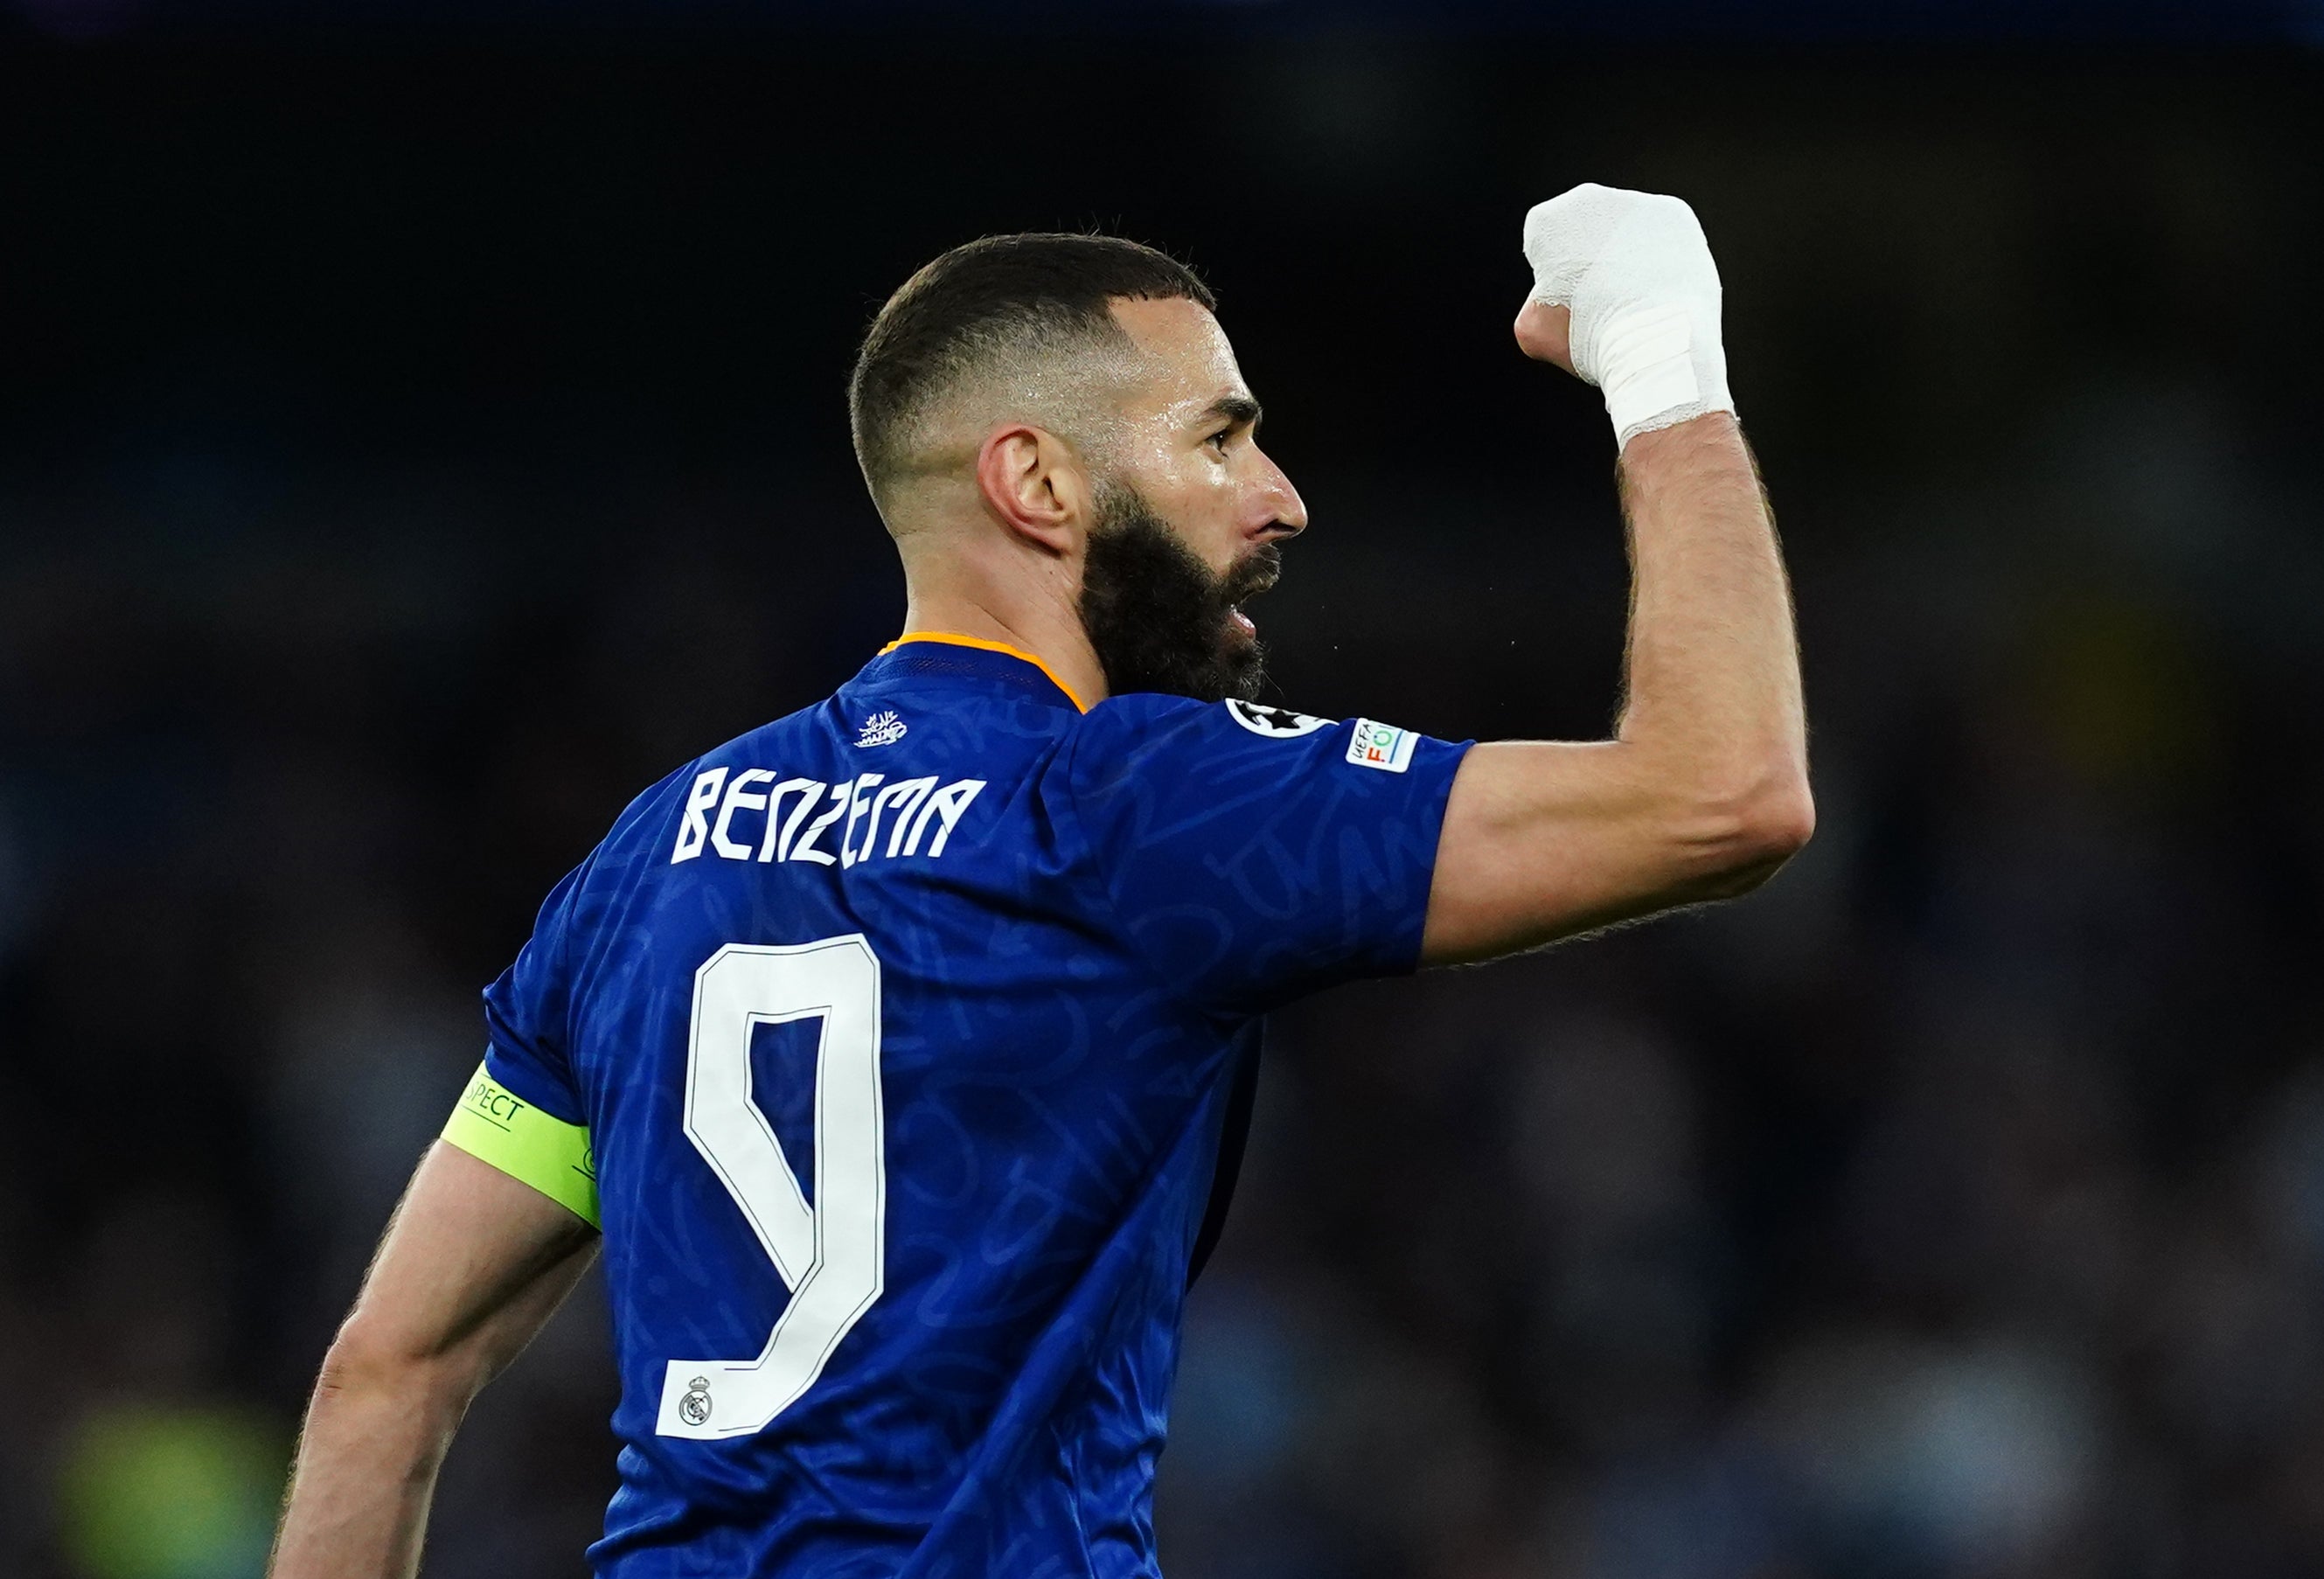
pixel 883 728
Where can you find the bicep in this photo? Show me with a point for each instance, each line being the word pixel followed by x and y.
pixel 1542 840
pixel 473 1264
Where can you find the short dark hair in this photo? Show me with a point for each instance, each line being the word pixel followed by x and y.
pixel 1002 293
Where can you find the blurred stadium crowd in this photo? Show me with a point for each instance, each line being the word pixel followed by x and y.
pixel 1953 1207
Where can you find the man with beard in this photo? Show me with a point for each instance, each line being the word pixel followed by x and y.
pixel 903 1046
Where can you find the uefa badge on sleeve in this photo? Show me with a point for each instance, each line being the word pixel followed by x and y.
pixel 1381 746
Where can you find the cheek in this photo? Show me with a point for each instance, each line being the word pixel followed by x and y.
pixel 1201 501
pixel 1208 521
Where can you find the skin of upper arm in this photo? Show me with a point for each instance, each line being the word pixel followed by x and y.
pixel 473 1264
pixel 1544 839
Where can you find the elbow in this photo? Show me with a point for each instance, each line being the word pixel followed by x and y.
pixel 1781 819
pixel 364 1362
pixel 359 1364
pixel 1757 827
pixel 407 1407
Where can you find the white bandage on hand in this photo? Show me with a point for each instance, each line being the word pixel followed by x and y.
pixel 1636 273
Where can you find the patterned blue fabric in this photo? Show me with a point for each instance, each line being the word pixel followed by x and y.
pixel 1076 921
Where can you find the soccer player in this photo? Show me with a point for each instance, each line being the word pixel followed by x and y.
pixel 897 1054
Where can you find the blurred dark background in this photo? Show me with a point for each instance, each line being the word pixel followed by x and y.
pixel 417 435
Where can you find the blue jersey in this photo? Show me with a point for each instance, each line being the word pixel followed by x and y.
pixel 909 1033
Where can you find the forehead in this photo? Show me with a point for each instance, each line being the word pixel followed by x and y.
pixel 1187 358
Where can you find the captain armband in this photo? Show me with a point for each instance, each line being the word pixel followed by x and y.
pixel 495 1125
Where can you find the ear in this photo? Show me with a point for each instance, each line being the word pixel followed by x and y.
pixel 1033 484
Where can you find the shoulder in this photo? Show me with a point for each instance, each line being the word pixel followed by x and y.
pixel 1129 725
pixel 817 720
pixel 1142 742
pixel 654 811
pixel 642 810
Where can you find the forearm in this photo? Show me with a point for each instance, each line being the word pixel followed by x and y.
pixel 474 1262
pixel 366 1472
pixel 1703 792
pixel 1713 700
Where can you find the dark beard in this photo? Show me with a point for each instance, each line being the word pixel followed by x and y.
pixel 1157 618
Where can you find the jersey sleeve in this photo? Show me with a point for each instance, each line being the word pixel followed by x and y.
pixel 521 1112
pixel 1253 854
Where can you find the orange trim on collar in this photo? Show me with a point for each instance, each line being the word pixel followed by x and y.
pixel 982 646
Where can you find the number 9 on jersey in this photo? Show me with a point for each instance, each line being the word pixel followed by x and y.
pixel 832 1256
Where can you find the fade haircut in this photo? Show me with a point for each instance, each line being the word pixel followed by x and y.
pixel 1006 306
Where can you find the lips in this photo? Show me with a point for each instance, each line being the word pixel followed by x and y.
pixel 1254 575
pixel 1247 581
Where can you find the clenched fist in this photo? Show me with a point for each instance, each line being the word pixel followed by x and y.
pixel 1626 297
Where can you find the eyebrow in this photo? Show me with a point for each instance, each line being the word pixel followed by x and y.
pixel 1241 410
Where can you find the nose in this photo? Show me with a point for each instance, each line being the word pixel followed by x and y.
pixel 1287 512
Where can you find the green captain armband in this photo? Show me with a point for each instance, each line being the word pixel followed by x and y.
pixel 494 1124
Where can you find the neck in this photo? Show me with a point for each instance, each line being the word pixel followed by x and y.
pixel 1043 624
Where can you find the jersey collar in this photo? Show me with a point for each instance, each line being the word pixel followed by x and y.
pixel 1011 657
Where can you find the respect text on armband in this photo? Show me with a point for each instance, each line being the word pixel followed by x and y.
pixel 494 1102
pixel 758 815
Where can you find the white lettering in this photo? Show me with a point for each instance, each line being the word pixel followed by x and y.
pixel 856 807
pixel 739 796
pixel 805 850
pixel 899 797
pixel 906 810
pixel 770 849
pixel 698 802
pixel 945 805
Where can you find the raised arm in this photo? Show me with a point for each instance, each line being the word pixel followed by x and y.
pixel 1703 793
pixel 473 1264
